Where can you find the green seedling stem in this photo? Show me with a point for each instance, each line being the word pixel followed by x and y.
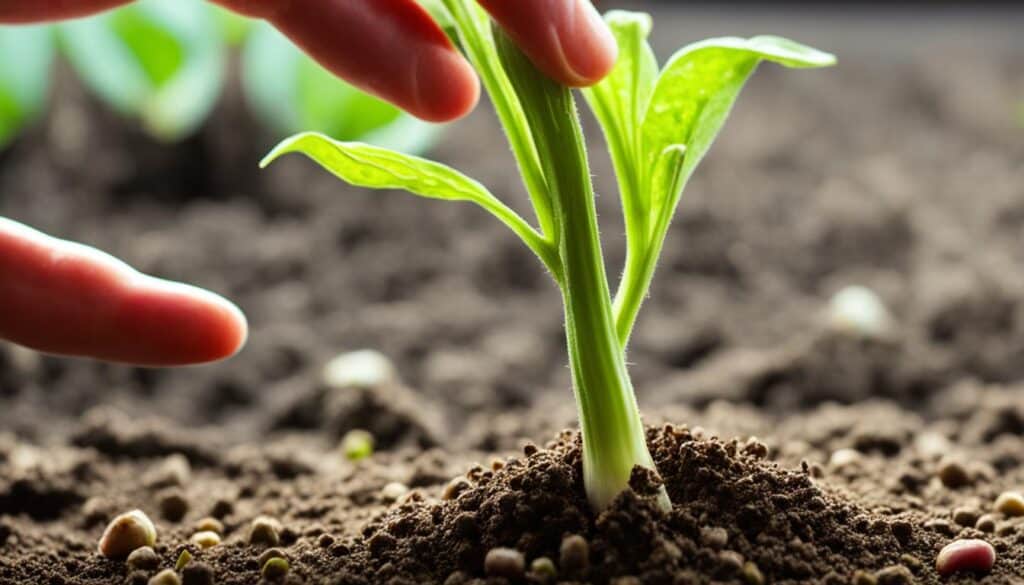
pixel 658 125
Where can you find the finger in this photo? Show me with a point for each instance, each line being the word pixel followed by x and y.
pixel 65 298
pixel 566 39
pixel 20 11
pixel 390 48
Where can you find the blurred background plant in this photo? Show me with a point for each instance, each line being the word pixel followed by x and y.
pixel 165 64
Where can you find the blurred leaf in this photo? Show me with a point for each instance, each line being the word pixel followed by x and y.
pixel 162 62
pixel 291 92
pixel 234 28
pixel 25 80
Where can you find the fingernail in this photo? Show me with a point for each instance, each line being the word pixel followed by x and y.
pixel 590 49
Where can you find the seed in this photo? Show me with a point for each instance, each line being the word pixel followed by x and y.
pixel 265 531
pixel 857 310
pixel 987 523
pixel 205 539
pixel 183 560
pixel 965 555
pixel 574 554
pixel 1010 503
pixel 272 553
pixel 544 569
pixel 455 487
pixel 126 533
pixel 165 577
pixel 210 524
pixel 861 577
pixel 391 492
pixel 731 560
pixel 197 574
pixel 504 562
pixel 842 458
pixel 364 369
pixel 143 558
pixel 966 516
pixel 714 536
pixel 752 575
pixel 173 471
pixel 173 506
pixel 357 444
pixel 953 473
pixel 274 569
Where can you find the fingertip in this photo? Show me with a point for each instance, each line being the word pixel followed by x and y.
pixel 446 86
pixel 590 48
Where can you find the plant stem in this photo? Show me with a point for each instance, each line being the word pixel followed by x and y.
pixel 614 441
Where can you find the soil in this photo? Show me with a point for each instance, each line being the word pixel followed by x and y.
pixel 885 173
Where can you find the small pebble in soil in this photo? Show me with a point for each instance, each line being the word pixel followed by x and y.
pixel 126 533
pixel 965 555
pixel 731 561
pixel 173 471
pixel 953 473
pixel 894 575
pixel 714 536
pixel 966 516
pixel 504 562
pixel 752 574
pixel 986 523
pixel 543 569
pixel 857 310
pixel 574 554
pixel 364 369
pixel 271 553
pixel 902 530
pixel 205 539
pixel 843 458
pixel 357 444
pixel 197 574
pixel 861 577
pixel 264 531
pixel 183 560
pixel 391 492
pixel 143 558
pixel 173 506
pixel 210 524
pixel 274 569
pixel 755 448
pixel 455 487
pixel 165 577
pixel 1010 504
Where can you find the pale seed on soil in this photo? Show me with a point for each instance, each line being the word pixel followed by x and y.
pixel 264 531
pixel 173 506
pixel 574 554
pixel 864 578
pixel 544 569
pixel 987 523
pixel 126 533
pixel 364 369
pixel 274 569
pixel 842 458
pixel 455 487
pixel 210 524
pixel 165 577
pixel 205 539
pixel 752 574
pixel 714 536
pixel 965 555
pixel 143 558
pixel 504 562
pixel 391 492
pixel 173 471
pixel 952 473
pixel 1010 504
pixel 857 310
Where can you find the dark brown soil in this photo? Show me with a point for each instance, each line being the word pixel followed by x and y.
pixel 891 174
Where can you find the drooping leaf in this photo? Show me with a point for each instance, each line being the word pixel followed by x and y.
pixel 694 95
pixel 291 92
pixel 26 57
pixel 364 165
pixel 619 103
pixel 162 62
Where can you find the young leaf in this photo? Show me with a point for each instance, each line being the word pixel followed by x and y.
pixel 373 167
pixel 693 97
pixel 291 92
pixel 24 80
pixel 619 103
pixel 162 62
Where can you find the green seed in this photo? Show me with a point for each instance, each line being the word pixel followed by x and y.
pixel 544 568
pixel 274 568
pixel 183 560
pixel 357 444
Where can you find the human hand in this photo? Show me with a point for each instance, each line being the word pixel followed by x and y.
pixel 65 298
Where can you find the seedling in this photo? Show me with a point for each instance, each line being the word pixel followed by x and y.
pixel 24 81
pixel 658 124
pixel 292 92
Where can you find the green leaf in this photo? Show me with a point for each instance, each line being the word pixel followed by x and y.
pixel 694 95
pixel 373 167
pixel 162 62
pixel 291 93
pixel 24 81
pixel 619 103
